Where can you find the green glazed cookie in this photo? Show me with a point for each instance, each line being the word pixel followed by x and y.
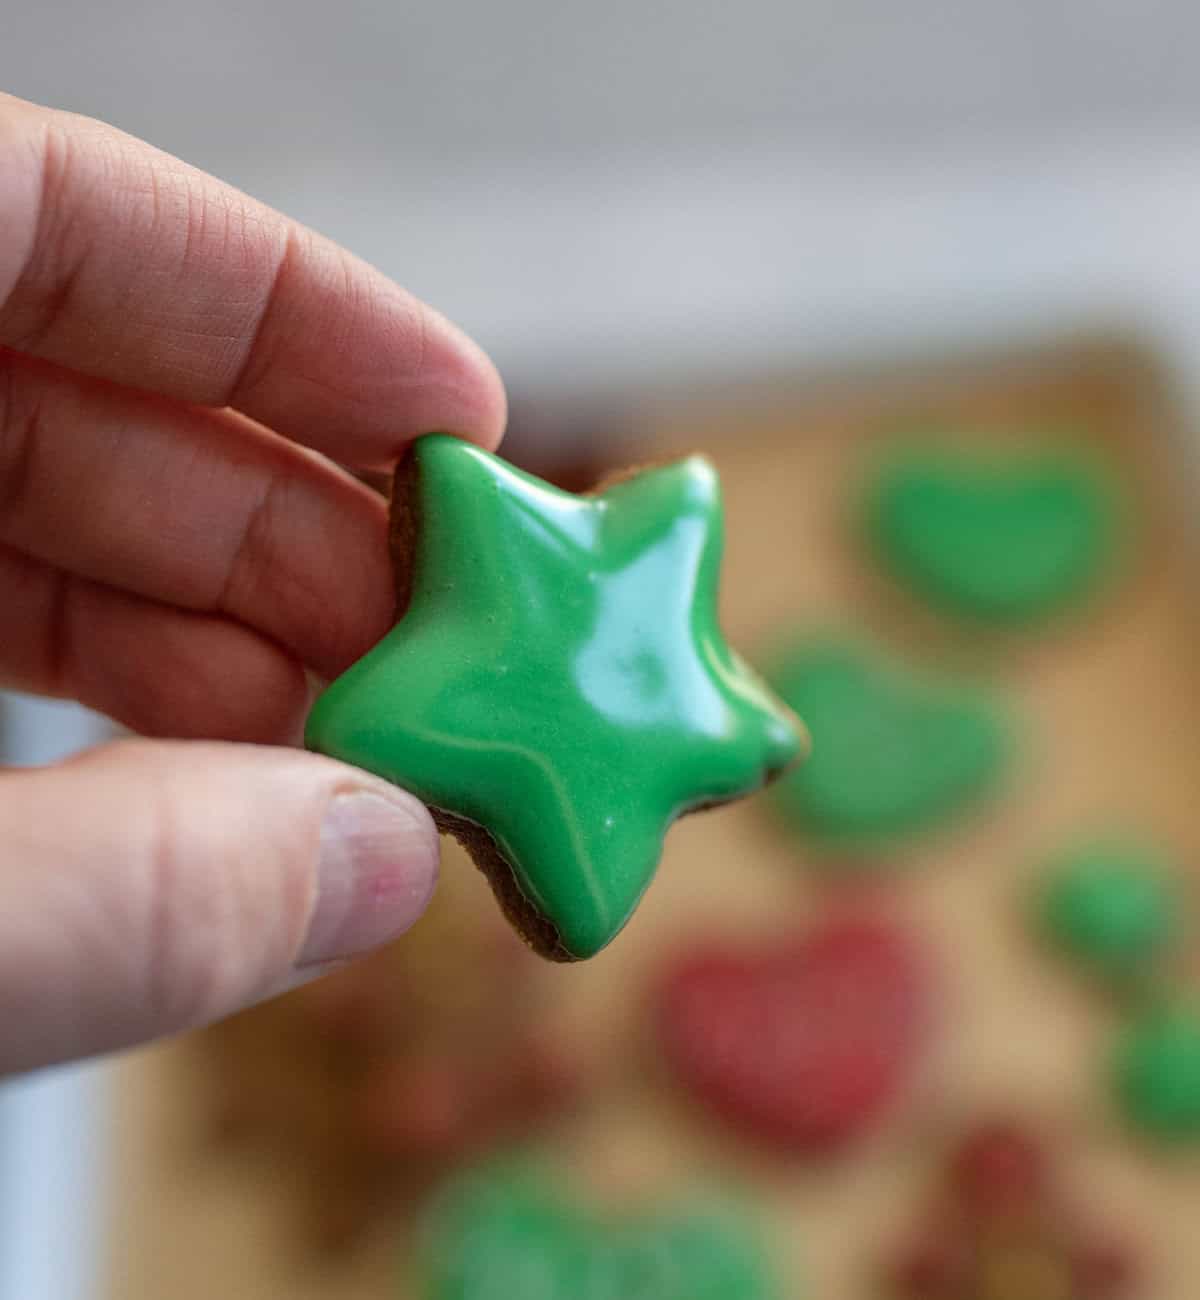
pixel 892 753
pixel 1158 1075
pixel 557 688
pixel 1111 906
pixel 507 1232
pixel 994 537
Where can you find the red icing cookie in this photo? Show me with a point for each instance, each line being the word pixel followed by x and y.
pixel 802 1043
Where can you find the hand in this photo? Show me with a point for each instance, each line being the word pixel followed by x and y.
pixel 180 369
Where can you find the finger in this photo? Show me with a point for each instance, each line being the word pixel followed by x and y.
pixel 190 507
pixel 149 887
pixel 122 262
pixel 158 670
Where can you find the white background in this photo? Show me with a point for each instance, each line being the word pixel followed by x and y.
pixel 651 182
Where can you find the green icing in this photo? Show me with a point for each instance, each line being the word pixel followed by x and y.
pixel 1111 905
pixel 891 754
pixel 993 537
pixel 560 677
pixel 1158 1075
pixel 500 1233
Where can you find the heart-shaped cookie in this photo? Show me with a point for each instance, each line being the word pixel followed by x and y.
pixel 804 1042
pixel 994 537
pixel 508 1233
pixel 892 753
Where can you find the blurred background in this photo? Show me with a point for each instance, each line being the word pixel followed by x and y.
pixel 620 199
pixel 599 190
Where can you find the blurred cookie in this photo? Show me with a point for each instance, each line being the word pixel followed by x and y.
pixel 804 1042
pixel 999 538
pixel 1158 1074
pixel 1001 1228
pixel 894 753
pixel 375 1080
pixel 1110 904
pixel 512 1231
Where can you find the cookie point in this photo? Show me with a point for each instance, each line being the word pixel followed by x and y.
pixel 787 742
pixel 702 473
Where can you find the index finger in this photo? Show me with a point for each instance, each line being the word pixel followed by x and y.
pixel 124 263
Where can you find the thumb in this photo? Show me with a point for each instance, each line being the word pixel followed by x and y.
pixel 148 887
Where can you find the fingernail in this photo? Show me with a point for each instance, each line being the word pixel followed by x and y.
pixel 375 875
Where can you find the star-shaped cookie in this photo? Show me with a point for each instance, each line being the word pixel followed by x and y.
pixel 557 688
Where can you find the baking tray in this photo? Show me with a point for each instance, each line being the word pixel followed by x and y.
pixel 1112 713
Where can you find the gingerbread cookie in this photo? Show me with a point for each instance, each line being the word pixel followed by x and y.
pixel 1110 904
pixel 1157 1074
pixel 1000 538
pixel 508 1230
pixel 801 1043
pixel 1002 1229
pixel 894 753
pixel 557 688
pixel 377 1080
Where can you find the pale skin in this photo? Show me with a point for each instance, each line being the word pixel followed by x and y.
pixel 183 372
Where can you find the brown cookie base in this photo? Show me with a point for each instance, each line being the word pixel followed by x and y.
pixel 539 933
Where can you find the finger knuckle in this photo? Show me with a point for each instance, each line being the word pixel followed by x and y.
pixel 59 244
pixel 180 973
pixel 20 430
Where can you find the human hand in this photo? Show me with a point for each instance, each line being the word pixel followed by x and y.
pixel 180 369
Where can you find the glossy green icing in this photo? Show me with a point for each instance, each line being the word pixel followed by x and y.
pixel 560 678
pixel 892 753
pixel 1111 905
pixel 1158 1074
pixel 501 1233
pixel 995 537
